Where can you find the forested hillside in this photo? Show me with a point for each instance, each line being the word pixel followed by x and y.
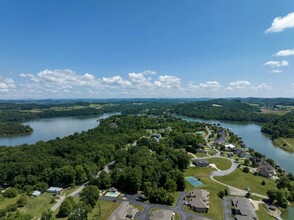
pixel 76 158
pixel 281 127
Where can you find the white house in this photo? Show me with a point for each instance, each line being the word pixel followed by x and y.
pixel 36 193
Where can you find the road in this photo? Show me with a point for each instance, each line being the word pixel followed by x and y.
pixel 147 206
pixel 78 190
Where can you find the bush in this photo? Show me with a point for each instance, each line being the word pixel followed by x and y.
pixel 22 201
pixel 263 183
pixel 245 169
pixel 10 193
pixel 11 208
pixel 221 194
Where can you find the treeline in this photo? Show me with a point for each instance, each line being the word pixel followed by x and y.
pixel 222 109
pixel 281 127
pixel 14 128
pixel 77 158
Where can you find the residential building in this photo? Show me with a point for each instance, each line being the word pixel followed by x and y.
pixel 36 193
pixel 243 209
pixel 124 211
pixel 162 214
pixel 265 169
pixel 201 163
pixel 199 200
pixel 54 190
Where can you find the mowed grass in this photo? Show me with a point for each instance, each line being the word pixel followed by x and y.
pixel 106 208
pixel 275 112
pixel 37 205
pixel 221 163
pixel 4 202
pixel 241 180
pixel 215 208
pixel 262 214
pixel 286 144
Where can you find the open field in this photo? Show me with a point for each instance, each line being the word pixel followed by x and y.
pixel 286 144
pixel 4 202
pixel 37 205
pixel 247 179
pixel 106 208
pixel 221 163
pixel 275 112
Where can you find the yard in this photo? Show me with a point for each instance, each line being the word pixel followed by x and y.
pixel 106 208
pixel 215 209
pixel 241 180
pixel 262 214
pixel 221 163
pixel 4 202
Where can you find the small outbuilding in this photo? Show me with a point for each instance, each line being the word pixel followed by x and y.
pixel 36 193
pixel 56 190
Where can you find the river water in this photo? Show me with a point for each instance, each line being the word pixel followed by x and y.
pixel 47 129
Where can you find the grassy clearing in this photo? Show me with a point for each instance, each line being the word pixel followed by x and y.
pixel 215 209
pixel 106 207
pixel 4 202
pixel 221 163
pixel 262 214
pixel 176 197
pixel 199 155
pixel 286 144
pixel 275 112
pixel 37 205
pixel 139 207
pixel 241 180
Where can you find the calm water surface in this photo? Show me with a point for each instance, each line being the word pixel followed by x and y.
pixel 47 129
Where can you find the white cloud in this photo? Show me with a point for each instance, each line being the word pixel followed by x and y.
pixel 281 23
pixel 149 72
pixel 263 87
pixel 273 64
pixel 276 71
pixel 284 53
pixel 6 84
pixel 116 80
pixel 168 82
pixel 210 85
pixel 238 85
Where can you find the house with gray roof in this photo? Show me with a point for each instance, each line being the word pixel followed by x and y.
pixel 124 211
pixel 243 209
pixel 201 163
pixel 199 200
pixel 265 169
pixel 162 214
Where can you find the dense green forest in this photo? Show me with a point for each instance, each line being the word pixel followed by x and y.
pixel 14 128
pixel 281 127
pixel 223 109
pixel 78 157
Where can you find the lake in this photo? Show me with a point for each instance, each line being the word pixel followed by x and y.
pixel 47 129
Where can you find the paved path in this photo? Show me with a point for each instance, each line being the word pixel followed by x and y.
pixel 78 190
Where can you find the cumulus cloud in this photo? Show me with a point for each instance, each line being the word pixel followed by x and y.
pixel 285 53
pixel 276 71
pixel 244 85
pixel 273 64
pixel 6 84
pixel 210 85
pixel 281 23
pixel 168 82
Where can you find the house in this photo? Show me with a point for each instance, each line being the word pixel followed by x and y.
pixel 265 169
pixel 220 141
pixel 162 214
pixel 56 190
pixel 124 211
pixel 230 146
pixel 199 200
pixel 243 209
pixel 201 163
pixel 36 193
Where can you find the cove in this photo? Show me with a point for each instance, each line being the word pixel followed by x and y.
pixel 47 129
pixel 254 138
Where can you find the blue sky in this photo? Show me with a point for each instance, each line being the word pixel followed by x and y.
pixel 146 48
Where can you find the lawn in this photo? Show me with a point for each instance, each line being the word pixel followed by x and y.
pixel 37 205
pixel 241 180
pixel 176 197
pixel 106 208
pixel 215 209
pixel 287 146
pixel 4 202
pixel 221 163
pixel 262 214
pixel 199 155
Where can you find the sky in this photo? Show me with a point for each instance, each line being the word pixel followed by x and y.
pixel 146 49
